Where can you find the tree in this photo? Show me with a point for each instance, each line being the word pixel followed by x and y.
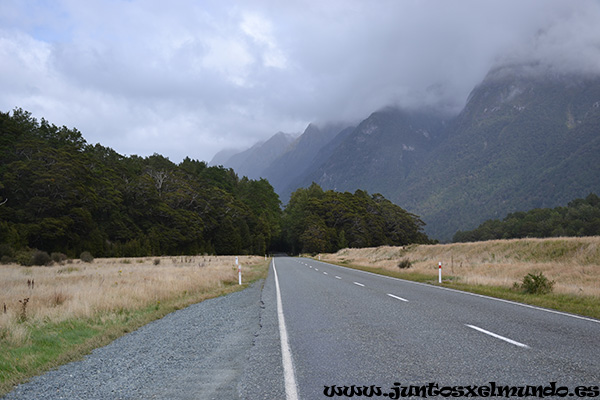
pixel 315 221
pixel 67 196
pixel 581 217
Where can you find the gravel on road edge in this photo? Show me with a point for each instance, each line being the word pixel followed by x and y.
pixel 221 348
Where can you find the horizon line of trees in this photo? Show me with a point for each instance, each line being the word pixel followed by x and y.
pixel 59 194
pixel 64 195
pixel 581 217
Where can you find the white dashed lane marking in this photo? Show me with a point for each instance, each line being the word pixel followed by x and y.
pixel 397 297
pixel 498 336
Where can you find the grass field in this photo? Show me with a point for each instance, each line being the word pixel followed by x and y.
pixel 493 267
pixel 52 315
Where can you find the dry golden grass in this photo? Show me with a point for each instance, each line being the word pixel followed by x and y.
pixel 105 288
pixel 573 263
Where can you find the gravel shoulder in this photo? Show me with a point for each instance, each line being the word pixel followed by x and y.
pixel 222 348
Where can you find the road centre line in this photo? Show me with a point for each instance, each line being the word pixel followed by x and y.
pixel 475 294
pixel 397 297
pixel 359 284
pixel 498 336
pixel 325 273
pixel 337 277
pixel 291 389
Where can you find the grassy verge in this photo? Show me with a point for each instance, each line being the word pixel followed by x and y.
pixel 32 345
pixel 588 306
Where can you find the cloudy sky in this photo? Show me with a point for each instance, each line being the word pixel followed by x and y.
pixel 192 77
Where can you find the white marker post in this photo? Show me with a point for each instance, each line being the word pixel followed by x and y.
pixel 239 270
pixel 440 272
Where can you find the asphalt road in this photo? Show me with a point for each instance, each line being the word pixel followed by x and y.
pixel 347 327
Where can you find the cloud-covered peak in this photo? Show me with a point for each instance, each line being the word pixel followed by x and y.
pixel 188 78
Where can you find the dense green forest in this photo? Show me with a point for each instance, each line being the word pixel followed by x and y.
pixel 326 221
pixel 581 217
pixel 59 194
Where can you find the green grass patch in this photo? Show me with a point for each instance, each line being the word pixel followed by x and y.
pixel 49 345
pixel 45 345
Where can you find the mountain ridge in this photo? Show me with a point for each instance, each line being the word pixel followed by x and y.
pixel 527 137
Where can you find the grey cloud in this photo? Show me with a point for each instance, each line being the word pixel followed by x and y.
pixel 188 78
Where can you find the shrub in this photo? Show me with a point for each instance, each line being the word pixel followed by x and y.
pixel 156 261
pixel 24 257
pixel 6 260
pixel 537 284
pixel 404 263
pixel 6 250
pixel 86 256
pixel 58 258
pixel 40 257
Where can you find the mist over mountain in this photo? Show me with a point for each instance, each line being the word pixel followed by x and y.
pixel 524 140
pixel 253 161
pixel 380 152
pixel 300 156
pixel 528 136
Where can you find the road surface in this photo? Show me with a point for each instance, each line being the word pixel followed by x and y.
pixel 348 327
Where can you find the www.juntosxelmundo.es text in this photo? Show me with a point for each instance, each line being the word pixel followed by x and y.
pixel 432 389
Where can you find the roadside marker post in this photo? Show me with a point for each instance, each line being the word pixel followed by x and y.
pixel 239 270
pixel 440 271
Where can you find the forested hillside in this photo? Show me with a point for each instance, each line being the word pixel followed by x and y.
pixel 581 217
pixel 317 221
pixel 61 194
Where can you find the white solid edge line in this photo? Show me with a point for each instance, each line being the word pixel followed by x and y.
pixel 359 284
pixel 498 336
pixel 291 390
pixel 475 294
pixel 397 297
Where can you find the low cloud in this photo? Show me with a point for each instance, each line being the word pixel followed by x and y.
pixel 189 78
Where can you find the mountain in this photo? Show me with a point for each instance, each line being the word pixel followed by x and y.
pixel 222 157
pixel 380 152
pixel 301 156
pixel 253 161
pixel 525 139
